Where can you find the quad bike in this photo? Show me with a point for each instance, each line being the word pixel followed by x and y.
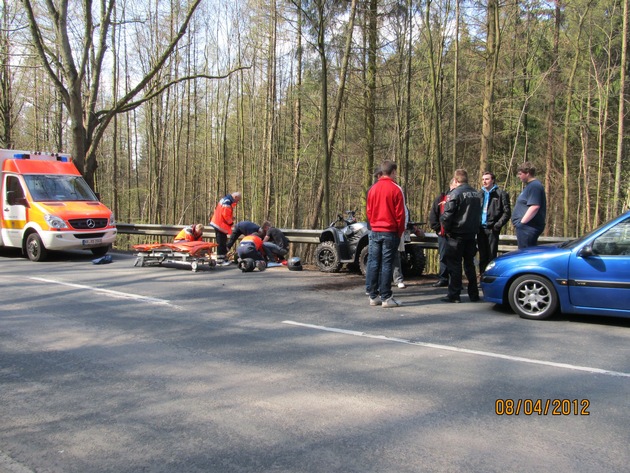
pixel 345 241
pixel 341 243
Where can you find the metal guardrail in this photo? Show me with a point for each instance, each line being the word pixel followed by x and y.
pixel 507 242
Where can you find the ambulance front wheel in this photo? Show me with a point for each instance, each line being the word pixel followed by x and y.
pixel 35 249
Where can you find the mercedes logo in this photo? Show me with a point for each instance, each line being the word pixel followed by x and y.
pixel 90 223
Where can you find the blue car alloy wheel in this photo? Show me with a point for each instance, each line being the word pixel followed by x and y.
pixel 533 297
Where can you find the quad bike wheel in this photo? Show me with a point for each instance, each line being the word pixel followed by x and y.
pixel 413 260
pixel 327 258
pixel 363 257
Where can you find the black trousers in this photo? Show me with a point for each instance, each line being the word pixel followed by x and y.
pixel 488 243
pixel 461 250
pixel 221 239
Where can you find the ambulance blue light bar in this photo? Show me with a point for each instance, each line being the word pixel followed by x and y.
pixel 63 159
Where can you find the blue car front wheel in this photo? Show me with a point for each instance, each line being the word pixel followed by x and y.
pixel 533 297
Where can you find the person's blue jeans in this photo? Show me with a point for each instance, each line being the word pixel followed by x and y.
pixel 381 251
pixel 526 235
pixel 271 249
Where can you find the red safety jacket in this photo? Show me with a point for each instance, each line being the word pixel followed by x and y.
pixel 188 234
pixel 223 218
pixel 256 240
pixel 441 210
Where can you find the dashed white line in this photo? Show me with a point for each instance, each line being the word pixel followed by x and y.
pixel 461 350
pixel 108 292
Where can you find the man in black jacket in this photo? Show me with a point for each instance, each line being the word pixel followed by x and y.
pixel 461 217
pixel 495 214
pixel 437 209
pixel 276 243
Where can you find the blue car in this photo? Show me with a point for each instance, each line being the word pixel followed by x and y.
pixel 590 275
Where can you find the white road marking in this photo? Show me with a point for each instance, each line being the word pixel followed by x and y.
pixel 108 292
pixel 462 350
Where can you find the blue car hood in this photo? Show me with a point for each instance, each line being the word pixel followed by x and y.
pixel 545 256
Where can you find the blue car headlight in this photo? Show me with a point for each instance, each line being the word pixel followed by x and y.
pixel 491 265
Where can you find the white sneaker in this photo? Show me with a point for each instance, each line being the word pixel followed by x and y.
pixel 401 285
pixel 391 302
pixel 375 302
pixel 224 263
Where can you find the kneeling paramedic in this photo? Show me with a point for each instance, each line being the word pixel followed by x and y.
pixel 190 233
pixel 251 247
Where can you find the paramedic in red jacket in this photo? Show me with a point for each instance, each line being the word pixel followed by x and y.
pixel 222 221
pixel 251 246
pixel 386 218
pixel 190 233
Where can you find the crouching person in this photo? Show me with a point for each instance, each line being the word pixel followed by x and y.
pixel 251 254
pixel 276 244
pixel 190 233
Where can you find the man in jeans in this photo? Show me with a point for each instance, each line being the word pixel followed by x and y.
pixel 386 218
pixel 530 210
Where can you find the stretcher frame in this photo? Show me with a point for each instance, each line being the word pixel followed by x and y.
pixel 194 253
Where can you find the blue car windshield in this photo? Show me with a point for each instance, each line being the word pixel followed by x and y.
pixel 573 243
pixel 58 188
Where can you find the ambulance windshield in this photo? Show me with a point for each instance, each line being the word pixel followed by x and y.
pixel 58 188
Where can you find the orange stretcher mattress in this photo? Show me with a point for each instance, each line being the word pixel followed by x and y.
pixel 191 247
pixel 189 252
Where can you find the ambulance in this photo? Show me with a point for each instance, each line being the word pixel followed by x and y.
pixel 47 205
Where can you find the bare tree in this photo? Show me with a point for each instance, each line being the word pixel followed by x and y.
pixel 75 64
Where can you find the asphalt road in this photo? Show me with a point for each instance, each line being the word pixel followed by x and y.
pixel 116 368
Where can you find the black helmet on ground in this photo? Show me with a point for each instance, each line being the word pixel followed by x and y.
pixel 294 264
pixel 247 265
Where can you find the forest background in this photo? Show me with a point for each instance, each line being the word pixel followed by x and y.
pixel 167 106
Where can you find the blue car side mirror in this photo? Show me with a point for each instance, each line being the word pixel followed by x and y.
pixel 586 252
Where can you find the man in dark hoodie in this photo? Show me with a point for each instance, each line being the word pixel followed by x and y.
pixel 460 219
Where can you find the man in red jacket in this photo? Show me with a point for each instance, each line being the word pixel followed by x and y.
pixel 386 219
pixel 222 221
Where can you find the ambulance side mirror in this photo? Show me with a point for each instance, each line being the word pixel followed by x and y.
pixel 14 198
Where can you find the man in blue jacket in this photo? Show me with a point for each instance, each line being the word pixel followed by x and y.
pixel 495 214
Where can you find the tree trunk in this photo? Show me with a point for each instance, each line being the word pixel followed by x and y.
pixel 441 183
pixel 371 34
pixel 567 129
pixel 623 71
pixel 554 90
pixel 492 57
pixel 297 122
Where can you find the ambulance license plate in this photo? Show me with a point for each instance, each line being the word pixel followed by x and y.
pixel 92 241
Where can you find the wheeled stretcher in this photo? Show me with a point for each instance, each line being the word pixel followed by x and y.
pixel 193 253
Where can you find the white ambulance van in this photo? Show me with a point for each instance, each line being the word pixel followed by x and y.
pixel 47 205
